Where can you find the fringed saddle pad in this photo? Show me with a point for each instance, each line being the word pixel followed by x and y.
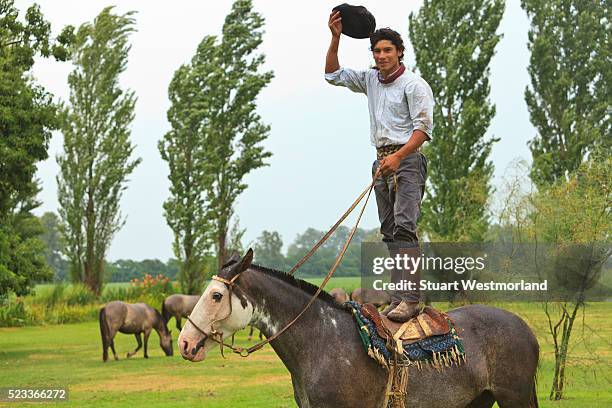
pixel 437 351
pixel 396 355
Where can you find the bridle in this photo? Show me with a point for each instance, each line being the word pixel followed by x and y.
pixel 217 336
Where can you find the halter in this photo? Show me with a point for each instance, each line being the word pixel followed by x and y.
pixel 230 283
pixel 214 332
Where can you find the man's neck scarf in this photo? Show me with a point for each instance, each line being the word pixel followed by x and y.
pixel 393 76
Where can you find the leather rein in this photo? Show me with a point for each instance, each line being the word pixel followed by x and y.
pixel 217 335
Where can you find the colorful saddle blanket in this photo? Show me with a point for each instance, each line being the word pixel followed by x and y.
pixel 430 338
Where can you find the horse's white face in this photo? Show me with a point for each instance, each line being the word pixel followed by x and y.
pixel 213 308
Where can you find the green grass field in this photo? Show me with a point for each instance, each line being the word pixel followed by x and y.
pixel 70 356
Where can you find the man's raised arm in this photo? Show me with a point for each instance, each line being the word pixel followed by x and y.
pixel 331 60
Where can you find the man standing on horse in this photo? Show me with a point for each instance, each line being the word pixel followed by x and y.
pixel 401 120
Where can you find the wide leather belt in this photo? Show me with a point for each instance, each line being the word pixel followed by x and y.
pixel 384 151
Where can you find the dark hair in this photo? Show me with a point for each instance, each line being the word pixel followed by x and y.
pixel 388 34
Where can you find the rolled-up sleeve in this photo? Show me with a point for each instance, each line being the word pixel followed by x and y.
pixel 420 103
pixel 352 79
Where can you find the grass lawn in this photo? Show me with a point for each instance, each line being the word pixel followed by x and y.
pixel 70 356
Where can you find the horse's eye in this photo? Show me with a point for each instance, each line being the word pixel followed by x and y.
pixel 217 296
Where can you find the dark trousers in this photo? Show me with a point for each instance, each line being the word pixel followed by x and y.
pixel 399 206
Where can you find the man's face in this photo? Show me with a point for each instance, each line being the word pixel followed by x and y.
pixel 385 55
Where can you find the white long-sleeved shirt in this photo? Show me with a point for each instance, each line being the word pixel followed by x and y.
pixel 396 109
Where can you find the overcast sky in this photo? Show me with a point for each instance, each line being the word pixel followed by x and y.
pixel 320 134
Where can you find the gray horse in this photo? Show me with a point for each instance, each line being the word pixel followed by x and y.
pixel 326 359
pixel 133 319
pixel 178 306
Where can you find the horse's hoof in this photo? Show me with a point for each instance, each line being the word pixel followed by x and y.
pixel 146 356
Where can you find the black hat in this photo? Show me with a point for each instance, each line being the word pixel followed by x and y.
pixel 357 21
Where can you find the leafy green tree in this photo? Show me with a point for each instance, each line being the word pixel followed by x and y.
pixel 124 270
pixel 573 218
pixel 454 42
pixel 215 139
pixel 571 80
pixel 234 130
pixel 22 261
pixel 268 250
pixel 184 150
pixel 324 257
pixel 96 161
pixel 27 117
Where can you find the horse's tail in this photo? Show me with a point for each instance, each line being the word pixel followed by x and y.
pixel 534 392
pixel 104 333
pixel 535 396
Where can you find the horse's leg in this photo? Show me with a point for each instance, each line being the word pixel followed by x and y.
pixel 139 340
pixel 146 340
pixel 484 400
pixel 112 346
pixel 510 399
pixel 178 322
pixel 251 332
pixel 104 351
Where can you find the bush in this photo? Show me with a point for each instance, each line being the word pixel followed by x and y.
pixel 76 303
pixel 13 313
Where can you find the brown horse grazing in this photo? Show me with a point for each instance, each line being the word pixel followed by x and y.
pixel 339 295
pixel 366 295
pixel 326 359
pixel 178 306
pixel 133 319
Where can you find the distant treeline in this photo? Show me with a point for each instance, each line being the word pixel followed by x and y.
pixel 268 249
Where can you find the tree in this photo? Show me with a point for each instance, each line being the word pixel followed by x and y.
pixel 27 117
pixel 454 42
pixel 268 250
pixel 55 246
pixel 574 218
pixel 97 153
pixel 215 137
pixel 184 150
pixel 569 97
pixel 235 130
pixel 324 257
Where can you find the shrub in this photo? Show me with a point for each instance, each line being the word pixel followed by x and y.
pixel 13 313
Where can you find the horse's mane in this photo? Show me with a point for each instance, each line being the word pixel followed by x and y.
pixel 307 287
pixel 161 319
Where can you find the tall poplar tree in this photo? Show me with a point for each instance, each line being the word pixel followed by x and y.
pixel 454 41
pixel 571 84
pixel 27 117
pixel 215 138
pixel 569 104
pixel 96 161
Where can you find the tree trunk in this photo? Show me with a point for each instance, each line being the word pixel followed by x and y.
pixel 556 392
pixel 90 273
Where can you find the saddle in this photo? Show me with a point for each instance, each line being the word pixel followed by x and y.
pixel 430 322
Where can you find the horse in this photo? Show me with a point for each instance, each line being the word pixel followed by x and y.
pixel 178 306
pixel 325 356
pixel 127 318
pixel 339 295
pixel 378 298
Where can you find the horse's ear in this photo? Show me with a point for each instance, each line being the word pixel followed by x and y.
pixel 246 261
